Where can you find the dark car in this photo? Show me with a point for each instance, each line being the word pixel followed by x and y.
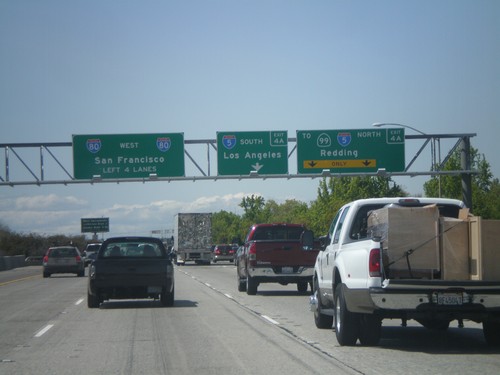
pixel 91 252
pixel 223 252
pixel 131 268
pixel 63 259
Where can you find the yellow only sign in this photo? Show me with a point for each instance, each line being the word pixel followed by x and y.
pixel 328 164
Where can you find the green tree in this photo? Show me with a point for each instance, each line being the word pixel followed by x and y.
pixel 335 192
pixel 253 208
pixel 291 211
pixel 226 227
pixel 485 197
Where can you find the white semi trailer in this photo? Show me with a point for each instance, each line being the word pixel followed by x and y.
pixel 193 238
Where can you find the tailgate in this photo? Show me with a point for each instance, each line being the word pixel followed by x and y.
pixel 125 272
pixel 285 253
pixel 63 261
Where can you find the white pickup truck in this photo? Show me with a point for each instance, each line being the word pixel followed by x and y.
pixel 405 258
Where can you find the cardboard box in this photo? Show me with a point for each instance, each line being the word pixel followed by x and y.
pixel 410 240
pixel 484 249
pixel 454 249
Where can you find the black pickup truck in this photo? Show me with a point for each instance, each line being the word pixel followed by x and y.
pixel 131 268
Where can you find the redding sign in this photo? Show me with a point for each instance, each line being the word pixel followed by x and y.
pixel 350 151
pixel 128 155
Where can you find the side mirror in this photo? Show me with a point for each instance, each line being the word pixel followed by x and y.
pixel 307 239
pixel 324 241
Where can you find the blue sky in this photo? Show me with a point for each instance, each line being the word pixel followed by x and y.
pixel 198 67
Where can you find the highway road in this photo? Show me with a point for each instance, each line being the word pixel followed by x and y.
pixel 46 328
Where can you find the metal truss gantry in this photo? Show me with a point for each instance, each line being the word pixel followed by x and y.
pixel 51 163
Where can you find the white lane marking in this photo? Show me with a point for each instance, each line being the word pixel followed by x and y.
pixel 44 330
pixel 270 320
pixel 79 301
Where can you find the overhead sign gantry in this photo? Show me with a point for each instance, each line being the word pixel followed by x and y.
pixel 161 157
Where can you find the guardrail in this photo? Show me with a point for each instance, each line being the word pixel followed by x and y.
pixel 10 262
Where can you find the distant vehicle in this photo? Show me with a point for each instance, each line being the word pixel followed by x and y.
pixel 34 260
pixel 223 252
pixel 91 252
pixel 193 238
pixel 63 259
pixel 131 268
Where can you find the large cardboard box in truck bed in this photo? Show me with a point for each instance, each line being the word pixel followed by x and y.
pixel 409 238
pixel 454 249
pixel 484 249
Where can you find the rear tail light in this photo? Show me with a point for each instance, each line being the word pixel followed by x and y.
pixel 374 263
pixel 78 258
pixel 45 259
pixel 217 251
pixel 252 254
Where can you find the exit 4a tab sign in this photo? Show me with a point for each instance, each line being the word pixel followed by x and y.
pixel 350 151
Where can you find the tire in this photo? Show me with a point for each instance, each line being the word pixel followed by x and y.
pixel 491 332
pixel 346 322
pixel 242 284
pixel 81 273
pixel 92 301
pixel 46 274
pixel 370 327
pixel 251 286
pixel 321 321
pixel 167 298
pixel 302 286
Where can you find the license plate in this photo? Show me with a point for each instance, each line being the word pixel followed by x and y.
pixel 286 269
pixel 449 298
pixel 154 289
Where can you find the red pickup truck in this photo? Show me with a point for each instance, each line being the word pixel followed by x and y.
pixel 276 253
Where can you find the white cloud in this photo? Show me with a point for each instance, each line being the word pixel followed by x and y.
pixel 53 214
pixel 48 202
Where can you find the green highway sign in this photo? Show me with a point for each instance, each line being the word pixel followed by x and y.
pixel 262 152
pixel 118 156
pixel 350 151
pixel 95 225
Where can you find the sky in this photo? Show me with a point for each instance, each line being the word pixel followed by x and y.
pixel 201 67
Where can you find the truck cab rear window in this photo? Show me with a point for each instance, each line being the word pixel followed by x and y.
pixel 132 250
pixel 278 233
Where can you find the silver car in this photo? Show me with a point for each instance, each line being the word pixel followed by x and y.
pixel 90 252
pixel 63 259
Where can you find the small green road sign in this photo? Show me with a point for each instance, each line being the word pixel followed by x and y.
pixel 262 152
pixel 350 151
pixel 118 156
pixel 95 225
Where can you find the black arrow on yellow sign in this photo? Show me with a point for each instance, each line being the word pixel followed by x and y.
pixel 334 164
